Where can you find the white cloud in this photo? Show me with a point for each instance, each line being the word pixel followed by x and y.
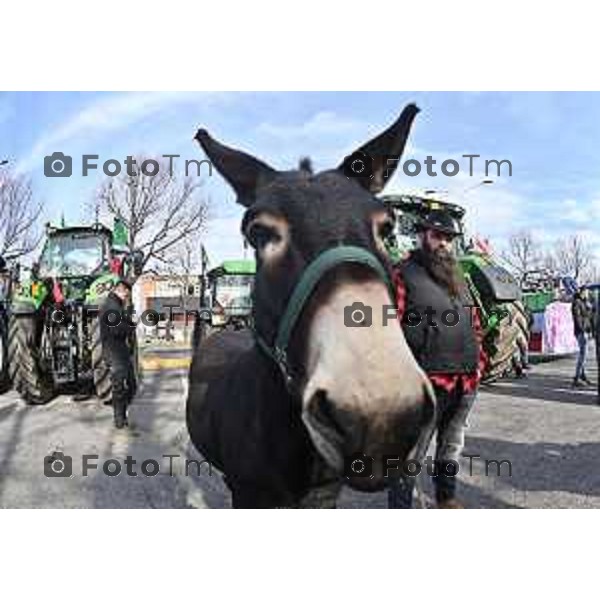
pixel 571 210
pixel 322 123
pixel 325 136
pixel 103 116
pixel 223 240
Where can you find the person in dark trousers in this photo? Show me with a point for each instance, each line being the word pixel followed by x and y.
pixel 116 332
pixel 596 324
pixel 448 350
pixel 582 327
pixel 530 323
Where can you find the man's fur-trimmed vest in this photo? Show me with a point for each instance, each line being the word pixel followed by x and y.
pixel 442 341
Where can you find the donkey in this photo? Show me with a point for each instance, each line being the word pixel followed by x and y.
pixel 286 410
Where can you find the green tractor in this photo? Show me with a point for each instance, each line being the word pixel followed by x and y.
pixel 53 330
pixel 540 287
pixel 494 290
pixel 225 298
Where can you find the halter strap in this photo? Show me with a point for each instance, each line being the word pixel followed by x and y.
pixel 309 280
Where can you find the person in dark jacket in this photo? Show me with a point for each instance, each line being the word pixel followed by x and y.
pixel 446 343
pixel 116 332
pixel 596 326
pixel 582 327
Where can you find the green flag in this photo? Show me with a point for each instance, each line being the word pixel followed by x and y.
pixel 120 233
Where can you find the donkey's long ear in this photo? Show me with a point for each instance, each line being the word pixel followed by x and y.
pixel 243 172
pixel 386 150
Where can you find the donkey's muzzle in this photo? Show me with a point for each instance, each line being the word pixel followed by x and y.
pixel 366 449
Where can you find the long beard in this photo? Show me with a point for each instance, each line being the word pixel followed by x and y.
pixel 443 268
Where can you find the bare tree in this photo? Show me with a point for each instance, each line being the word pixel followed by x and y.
pixel 574 257
pixel 592 274
pixel 523 253
pixel 162 212
pixel 19 216
pixel 549 261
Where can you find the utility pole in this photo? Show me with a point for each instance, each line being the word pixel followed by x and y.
pixel 3 163
pixel 204 263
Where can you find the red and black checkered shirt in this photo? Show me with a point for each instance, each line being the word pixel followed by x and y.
pixel 448 381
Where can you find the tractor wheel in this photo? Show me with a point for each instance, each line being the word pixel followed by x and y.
pixel 4 375
pixel 506 342
pixel 24 362
pixel 521 319
pixel 100 368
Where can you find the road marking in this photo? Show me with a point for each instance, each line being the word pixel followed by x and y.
pixel 185 385
pixel 157 364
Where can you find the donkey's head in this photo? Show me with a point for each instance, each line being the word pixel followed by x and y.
pixel 320 251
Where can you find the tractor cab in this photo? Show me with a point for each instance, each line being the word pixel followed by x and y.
pixel 75 252
pixel 226 298
pixel 229 288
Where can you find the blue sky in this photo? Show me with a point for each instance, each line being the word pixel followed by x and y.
pixel 550 138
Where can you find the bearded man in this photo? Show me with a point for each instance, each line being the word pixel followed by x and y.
pixel 444 334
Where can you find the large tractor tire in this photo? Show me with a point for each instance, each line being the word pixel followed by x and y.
pixel 24 361
pixel 510 339
pixel 522 322
pixel 101 369
pixel 4 374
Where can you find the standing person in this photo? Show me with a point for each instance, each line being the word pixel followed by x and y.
pixel 116 332
pixel 582 327
pixel 530 323
pixel 596 304
pixel 451 354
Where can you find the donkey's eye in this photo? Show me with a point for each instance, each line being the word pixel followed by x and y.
pixel 260 235
pixel 386 229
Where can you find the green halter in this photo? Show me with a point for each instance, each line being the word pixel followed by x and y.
pixel 302 292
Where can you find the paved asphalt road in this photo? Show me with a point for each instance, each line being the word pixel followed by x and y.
pixel 549 432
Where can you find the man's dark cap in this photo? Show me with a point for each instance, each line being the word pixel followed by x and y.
pixel 440 220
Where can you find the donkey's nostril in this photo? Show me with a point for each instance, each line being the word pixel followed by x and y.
pixel 328 415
